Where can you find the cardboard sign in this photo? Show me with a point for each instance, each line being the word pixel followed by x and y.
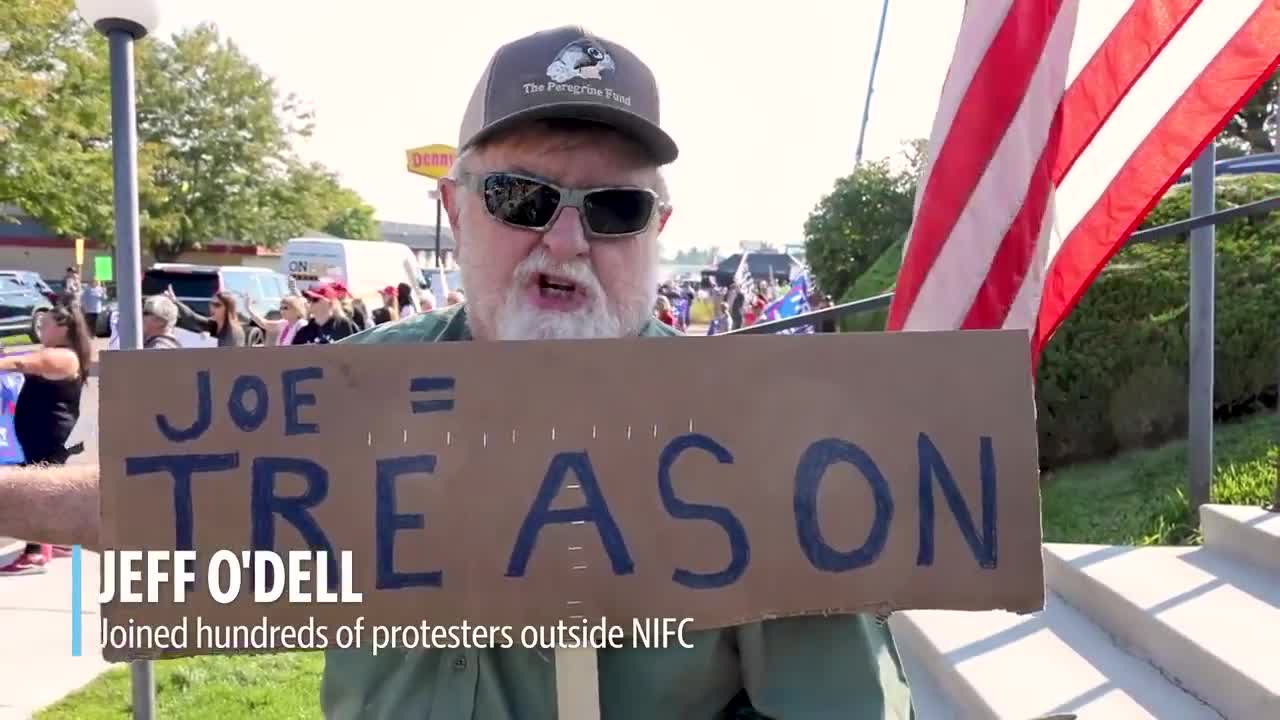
pixel 102 268
pixel 526 483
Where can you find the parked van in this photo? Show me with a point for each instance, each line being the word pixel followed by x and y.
pixel 195 285
pixel 364 266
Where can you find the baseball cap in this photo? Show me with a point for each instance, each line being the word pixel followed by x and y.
pixel 567 73
pixel 322 292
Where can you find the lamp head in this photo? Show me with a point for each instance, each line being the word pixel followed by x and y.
pixel 136 17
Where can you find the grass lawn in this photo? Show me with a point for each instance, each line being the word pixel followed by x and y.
pixel 1139 498
pixel 262 687
pixel 1136 498
pixel 12 340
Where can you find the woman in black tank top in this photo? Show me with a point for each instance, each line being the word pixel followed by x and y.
pixel 48 405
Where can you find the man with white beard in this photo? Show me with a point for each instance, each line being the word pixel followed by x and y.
pixel 556 202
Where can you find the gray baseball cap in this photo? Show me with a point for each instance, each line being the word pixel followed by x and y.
pixel 567 73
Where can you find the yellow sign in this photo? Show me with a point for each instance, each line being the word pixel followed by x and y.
pixel 79 252
pixel 433 161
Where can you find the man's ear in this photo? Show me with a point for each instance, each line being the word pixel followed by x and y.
pixel 451 198
pixel 664 214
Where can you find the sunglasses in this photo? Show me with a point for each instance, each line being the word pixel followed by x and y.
pixel 531 203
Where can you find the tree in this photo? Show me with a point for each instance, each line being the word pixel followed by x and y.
pixel 309 197
pixel 1253 129
pixel 696 256
pixel 215 157
pixel 55 160
pixel 220 134
pixel 866 212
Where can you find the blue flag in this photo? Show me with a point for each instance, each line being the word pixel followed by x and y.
pixel 795 301
pixel 10 450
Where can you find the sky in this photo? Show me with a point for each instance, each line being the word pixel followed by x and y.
pixel 765 103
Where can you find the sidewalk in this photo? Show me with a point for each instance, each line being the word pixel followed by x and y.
pixel 35 620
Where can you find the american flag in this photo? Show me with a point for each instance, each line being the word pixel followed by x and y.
pixel 1061 124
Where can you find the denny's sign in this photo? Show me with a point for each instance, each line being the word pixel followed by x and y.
pixel 431 161
pixel 526 483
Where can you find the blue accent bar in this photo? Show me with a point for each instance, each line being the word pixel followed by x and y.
pixel 77 568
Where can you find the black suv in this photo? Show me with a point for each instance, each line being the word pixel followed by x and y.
pixel 21 307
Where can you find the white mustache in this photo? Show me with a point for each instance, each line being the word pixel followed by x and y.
pixel 540 263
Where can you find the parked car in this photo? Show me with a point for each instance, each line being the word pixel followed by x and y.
pixel 195 285
pixel 21 307
pixel 32 279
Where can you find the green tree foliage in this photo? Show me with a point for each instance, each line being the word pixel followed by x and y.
pixel 1253 129
pixel 216 162
pixel 696 256
pixel 866 212
pixel 54 118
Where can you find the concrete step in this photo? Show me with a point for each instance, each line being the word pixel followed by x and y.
pixel 1210 623
pixel 1247 533
pixel 1018 667
pixel 927 699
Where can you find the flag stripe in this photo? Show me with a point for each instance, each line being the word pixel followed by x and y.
pixel 950 287
pixel 1210 29
pixel 1096 91
pixel 990 307
pixel 1217 93
pixel 981 119
pixel 1129 49
pixel 978 28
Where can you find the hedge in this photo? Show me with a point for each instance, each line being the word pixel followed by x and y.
pixel 1115 374
pixel 878 279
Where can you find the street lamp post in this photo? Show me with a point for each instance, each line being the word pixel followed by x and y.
pixel 123 22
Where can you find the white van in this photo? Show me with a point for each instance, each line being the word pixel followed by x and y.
pixel 364 266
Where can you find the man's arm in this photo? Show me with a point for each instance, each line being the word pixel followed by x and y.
pixel 52 504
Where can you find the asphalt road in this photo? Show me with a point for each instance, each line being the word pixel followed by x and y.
pixel 86 430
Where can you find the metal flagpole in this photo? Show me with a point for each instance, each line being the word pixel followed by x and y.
pixel 871 83
pixel 438 205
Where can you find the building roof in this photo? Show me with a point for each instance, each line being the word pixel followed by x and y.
pixel 417 236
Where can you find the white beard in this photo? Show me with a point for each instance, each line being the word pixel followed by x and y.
pixel 516 319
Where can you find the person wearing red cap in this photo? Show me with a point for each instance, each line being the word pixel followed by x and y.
pixel 556 201
pixel 328 324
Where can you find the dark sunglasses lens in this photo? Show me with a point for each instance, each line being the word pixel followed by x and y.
pixel 527 203
pixel 618 212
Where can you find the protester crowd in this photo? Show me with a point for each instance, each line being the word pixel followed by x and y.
pixel 47 407
pixel 736 306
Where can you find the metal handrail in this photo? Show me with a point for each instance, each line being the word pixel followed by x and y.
pixel 877 302
pixel 836 312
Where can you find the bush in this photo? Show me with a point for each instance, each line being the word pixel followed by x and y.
pixel 879 278
pixel 1115 374
pixel 852 226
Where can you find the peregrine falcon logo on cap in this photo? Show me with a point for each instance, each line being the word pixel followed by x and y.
pixel 583 59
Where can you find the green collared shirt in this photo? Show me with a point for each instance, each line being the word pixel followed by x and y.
pixel 820 668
